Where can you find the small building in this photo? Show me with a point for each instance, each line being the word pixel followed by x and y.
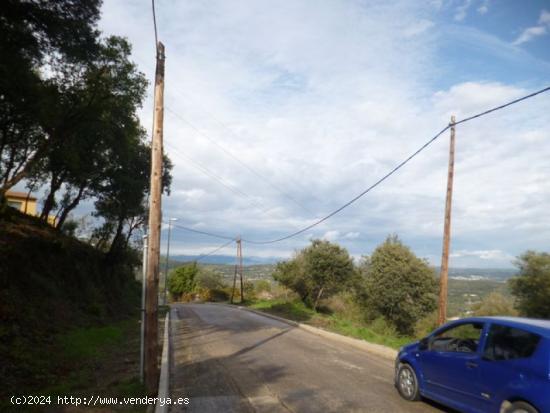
pixel 26 203
pixel 22 201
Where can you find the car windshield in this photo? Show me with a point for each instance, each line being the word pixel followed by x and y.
pixel 462 338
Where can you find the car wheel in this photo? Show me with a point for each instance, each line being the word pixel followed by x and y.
pixel 520 407
pixel 407 384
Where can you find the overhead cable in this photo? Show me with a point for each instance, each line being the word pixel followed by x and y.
pixel 386 176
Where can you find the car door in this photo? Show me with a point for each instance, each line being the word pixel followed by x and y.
pixel 450 366
pixel 507 363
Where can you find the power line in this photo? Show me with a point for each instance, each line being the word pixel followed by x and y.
pixel 399 166
pixel 210 234
pixel 319 221
pixel 201 168
pixel 202 256
pixel 226 151
pixel 238 160
pixel 155 24
pixel 386 176
pixel 390 173
pixel 231 131
pixel 513 102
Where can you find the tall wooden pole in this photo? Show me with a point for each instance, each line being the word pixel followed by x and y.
pixel 240 254
pixel 442 318
pixel 155 218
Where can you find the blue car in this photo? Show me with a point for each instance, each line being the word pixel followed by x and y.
pixel 480 364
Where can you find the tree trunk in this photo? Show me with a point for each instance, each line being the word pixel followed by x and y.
pixel 49 203
pixel 318 298
pixel 70 207
pixel 116 238
pixel 40 152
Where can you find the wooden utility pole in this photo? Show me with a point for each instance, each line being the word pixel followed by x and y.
pixel 447 230
pixel 234 284
pixel 155 218
pixel 240 255
pixel 239 270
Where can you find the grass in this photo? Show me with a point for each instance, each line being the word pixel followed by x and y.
pixel 87 343
pixel 98 360
pixel 297 311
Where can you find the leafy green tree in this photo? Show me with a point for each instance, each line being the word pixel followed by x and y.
pixel 495 304
pixel 400 287
pixel 94 119
pixel 318 271
pixel 34 33
pixel 291 274
pixel 329 268
pixel 182 280
pixel 210 279
pixel 532 286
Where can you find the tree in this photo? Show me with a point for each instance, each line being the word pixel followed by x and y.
pixel 318 271
pixel 400 287
pixel 495 304
pixel 291 274
pixel 94 118
pixel 532 286
pixel 209 279
pixel 182 280
pixel 33 32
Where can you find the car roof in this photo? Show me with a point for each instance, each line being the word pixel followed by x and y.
pixel 534 325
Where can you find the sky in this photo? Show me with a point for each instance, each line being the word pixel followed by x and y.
pixel 277 113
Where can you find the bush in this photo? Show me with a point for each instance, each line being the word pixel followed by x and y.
pixel 263 285
pixel 381 326
pixel 426 325
pixel 210 280
pixel 495 304
pixel 181 281
pixel 318 271
pixel 532 286
pixel 399 286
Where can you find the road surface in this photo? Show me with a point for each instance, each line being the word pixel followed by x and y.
pixel 230 360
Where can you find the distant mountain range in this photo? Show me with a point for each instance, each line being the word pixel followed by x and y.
pixel 226 259
pixel 499 274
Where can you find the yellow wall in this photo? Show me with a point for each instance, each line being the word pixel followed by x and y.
pixel 26 206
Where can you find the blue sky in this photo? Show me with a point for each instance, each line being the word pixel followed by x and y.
pixel 318 99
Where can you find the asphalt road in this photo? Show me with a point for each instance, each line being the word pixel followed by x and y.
pixel 230 360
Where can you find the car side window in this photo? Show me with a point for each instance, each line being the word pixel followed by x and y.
pixel 463 338
pixel 508 343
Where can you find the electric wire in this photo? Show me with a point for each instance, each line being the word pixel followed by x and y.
pixel 390 173
pixel 196 231
pixel 155 25
pixel 235 158
pixel 202 256
pixel 203 169
pixel 399 166
pixel 513 102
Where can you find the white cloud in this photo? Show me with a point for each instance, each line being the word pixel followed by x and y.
pixel 323 101
pixel 418 27
pixel 544 17
pixel 462 10
pixel 536 31
pixel 331 235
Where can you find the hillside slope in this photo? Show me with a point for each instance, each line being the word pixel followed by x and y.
pixel 51 283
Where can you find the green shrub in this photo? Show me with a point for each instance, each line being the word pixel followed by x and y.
pixel 181 281
pixel 495 304
pixel 426 324
pixel 399 286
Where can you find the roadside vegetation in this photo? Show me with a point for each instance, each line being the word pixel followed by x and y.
pixel 388 298
pixel 69 131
